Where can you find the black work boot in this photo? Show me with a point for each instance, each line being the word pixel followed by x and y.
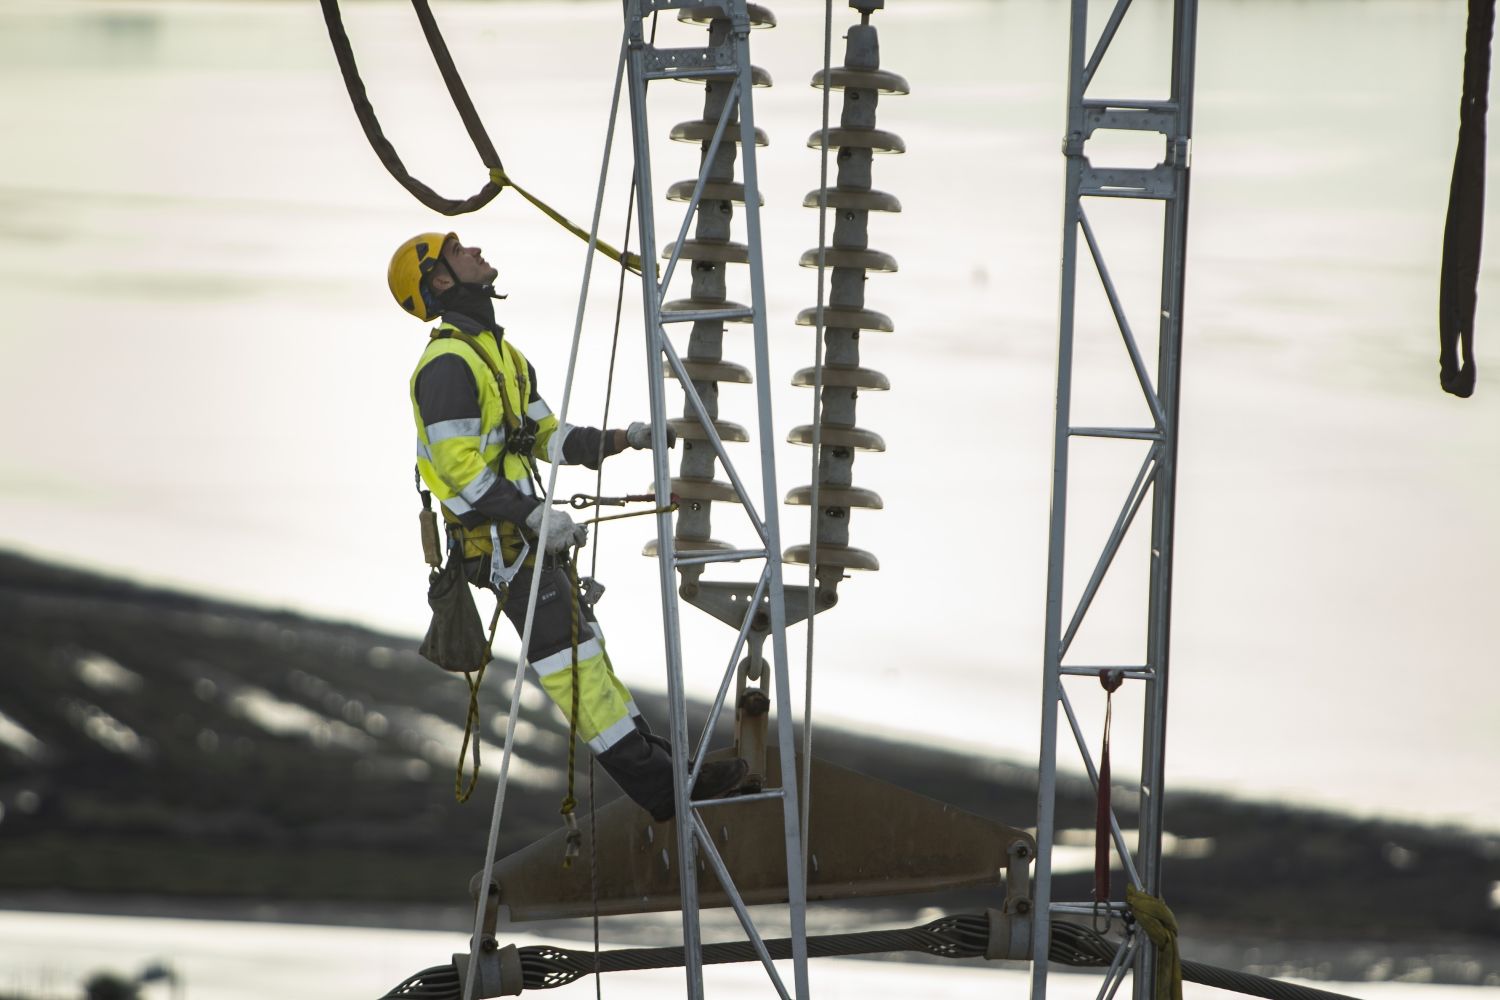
pixel 641 764
pixel 643 770
pixel 716 779
pixel 720 777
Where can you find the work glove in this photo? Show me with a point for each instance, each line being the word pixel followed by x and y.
pixel 638 435
pixel 561 531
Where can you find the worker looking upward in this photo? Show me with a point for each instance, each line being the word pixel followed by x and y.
pixel 481 423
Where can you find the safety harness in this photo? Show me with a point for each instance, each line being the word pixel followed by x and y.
pixel 520 437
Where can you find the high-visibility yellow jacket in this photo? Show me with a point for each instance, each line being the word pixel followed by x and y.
pixel 475 446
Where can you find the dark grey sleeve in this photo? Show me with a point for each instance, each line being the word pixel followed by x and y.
pixel 582 445
pixel 503 502
pixel 446 390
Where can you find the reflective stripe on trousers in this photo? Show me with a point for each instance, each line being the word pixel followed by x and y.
pixel 606 710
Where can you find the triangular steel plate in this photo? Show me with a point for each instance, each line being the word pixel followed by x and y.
pixel 867 838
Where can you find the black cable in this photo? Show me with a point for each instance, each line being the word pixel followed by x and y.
pixel 365 112
pixel 1464 229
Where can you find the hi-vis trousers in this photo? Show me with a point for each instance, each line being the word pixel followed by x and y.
pixel 609 720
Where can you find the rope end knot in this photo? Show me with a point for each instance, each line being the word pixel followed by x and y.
pixel 1160 925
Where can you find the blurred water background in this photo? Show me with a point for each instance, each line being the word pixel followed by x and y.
pixel 205 378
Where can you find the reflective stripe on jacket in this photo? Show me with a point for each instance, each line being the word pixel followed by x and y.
pixel 462 457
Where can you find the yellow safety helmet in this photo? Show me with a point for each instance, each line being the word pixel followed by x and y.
pixel 410 265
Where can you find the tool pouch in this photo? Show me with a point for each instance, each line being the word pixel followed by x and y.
pixel 455 639
pixel 432 546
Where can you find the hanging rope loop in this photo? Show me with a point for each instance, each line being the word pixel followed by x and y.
pixel 464 789
pixel 343 52
pixel 370 124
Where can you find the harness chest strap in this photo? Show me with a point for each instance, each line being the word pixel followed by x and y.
pixel 512 422
pixel 518 442
pixel 431 547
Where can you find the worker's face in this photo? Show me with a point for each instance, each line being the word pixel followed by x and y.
pixel 466 265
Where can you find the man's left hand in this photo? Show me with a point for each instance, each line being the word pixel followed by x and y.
pixel 638 435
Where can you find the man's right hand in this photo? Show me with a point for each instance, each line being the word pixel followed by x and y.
pixel 561 531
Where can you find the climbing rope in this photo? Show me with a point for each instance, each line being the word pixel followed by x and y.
pixel 805 796
pixel 536 578
pixel 498 181
pixel 472 731
pixel 958 936
pixel 598 498
pixel 614 347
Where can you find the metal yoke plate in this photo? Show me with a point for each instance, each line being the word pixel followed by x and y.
pixel 867 837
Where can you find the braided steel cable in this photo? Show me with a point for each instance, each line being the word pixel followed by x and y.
pixel 961 936
pixel 964 935
pixel 440 982
pixel 1253 985
pixel 1073 944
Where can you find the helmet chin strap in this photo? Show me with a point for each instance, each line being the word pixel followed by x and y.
pixel 471 299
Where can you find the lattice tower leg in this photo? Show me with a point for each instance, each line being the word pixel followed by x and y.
pixel 1087 183
pixel 761 605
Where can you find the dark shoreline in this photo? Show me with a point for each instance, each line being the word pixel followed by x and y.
pixel 211 815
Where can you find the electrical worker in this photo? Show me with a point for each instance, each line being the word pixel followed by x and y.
pixel 480 423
